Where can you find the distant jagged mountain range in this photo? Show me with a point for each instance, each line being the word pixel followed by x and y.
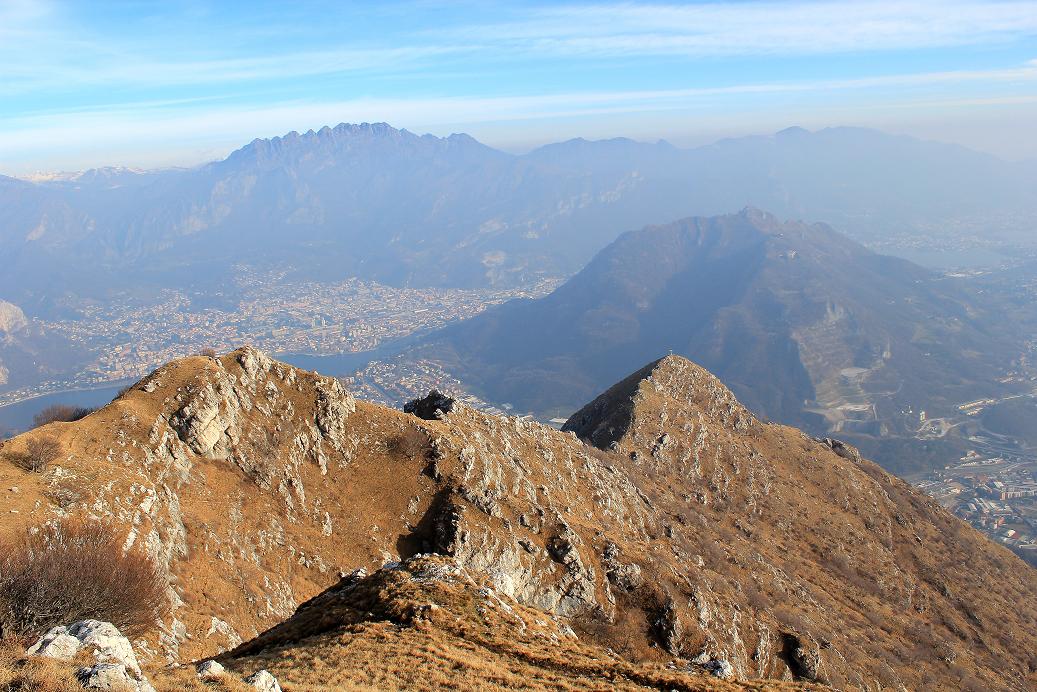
pixel 806 326
pixel 385 204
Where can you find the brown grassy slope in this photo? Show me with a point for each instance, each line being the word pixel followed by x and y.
pixel 245 536
pixel 257 484
pixel 22 673
pixel 19 673
pixel 854 562
pixel 428 625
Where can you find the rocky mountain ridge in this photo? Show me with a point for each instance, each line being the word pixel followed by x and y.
pixel 687 530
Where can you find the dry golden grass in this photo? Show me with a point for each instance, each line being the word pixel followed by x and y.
pixel 173 679
pixel 21 673
pixel 401 630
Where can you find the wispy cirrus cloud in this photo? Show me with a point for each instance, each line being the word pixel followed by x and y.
pixel 215 71
pixel 769 27
pixel 42 48
pixel 103 79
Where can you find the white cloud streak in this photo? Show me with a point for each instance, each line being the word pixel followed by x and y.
pixel 40 50
pixel 207 93
pixel 752 28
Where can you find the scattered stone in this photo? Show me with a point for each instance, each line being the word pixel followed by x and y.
pixel 210 670
pixel 262 680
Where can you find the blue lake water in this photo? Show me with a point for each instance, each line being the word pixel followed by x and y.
pixel 18 417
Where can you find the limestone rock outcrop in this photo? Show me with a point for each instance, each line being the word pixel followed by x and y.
pixel 115 664
pixel 11 318
pixel 665 523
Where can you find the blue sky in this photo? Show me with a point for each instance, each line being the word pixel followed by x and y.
pixel 138 83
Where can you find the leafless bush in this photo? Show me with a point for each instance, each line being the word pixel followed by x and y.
pixel 411 442
pixel 61 413
pixel 208 352
pixel 714 555
pixel 757 599
pixel 73 570
pixel 39 453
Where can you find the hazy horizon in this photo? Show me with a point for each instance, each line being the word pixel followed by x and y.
pixel 151 86
pixel 686 142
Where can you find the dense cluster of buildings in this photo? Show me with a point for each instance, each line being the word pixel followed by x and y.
pixel 396 382
pixel 996 496
pixel 127 338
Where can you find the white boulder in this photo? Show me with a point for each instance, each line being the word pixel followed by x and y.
pixel 210 670
pixel 111 676
pixel 265 682
pixel 116 665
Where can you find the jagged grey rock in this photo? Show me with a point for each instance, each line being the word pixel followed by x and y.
pixel 626 577
pixel 432 407
pixel 56 643
pixel 846 451
pixel 111 676
pixel 718 667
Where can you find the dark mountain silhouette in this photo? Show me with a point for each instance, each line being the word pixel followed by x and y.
pixel 380 203
pixel 806 326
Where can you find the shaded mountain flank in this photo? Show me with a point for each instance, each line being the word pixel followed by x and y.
pixel 384 204
pixel 680 531
pixel 806 326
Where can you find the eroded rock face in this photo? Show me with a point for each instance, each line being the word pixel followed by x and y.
pixel 625 577
pixel 12 318
pixel 172 446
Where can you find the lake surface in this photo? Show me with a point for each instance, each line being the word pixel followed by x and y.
pixel 18 417
pixel 345 364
